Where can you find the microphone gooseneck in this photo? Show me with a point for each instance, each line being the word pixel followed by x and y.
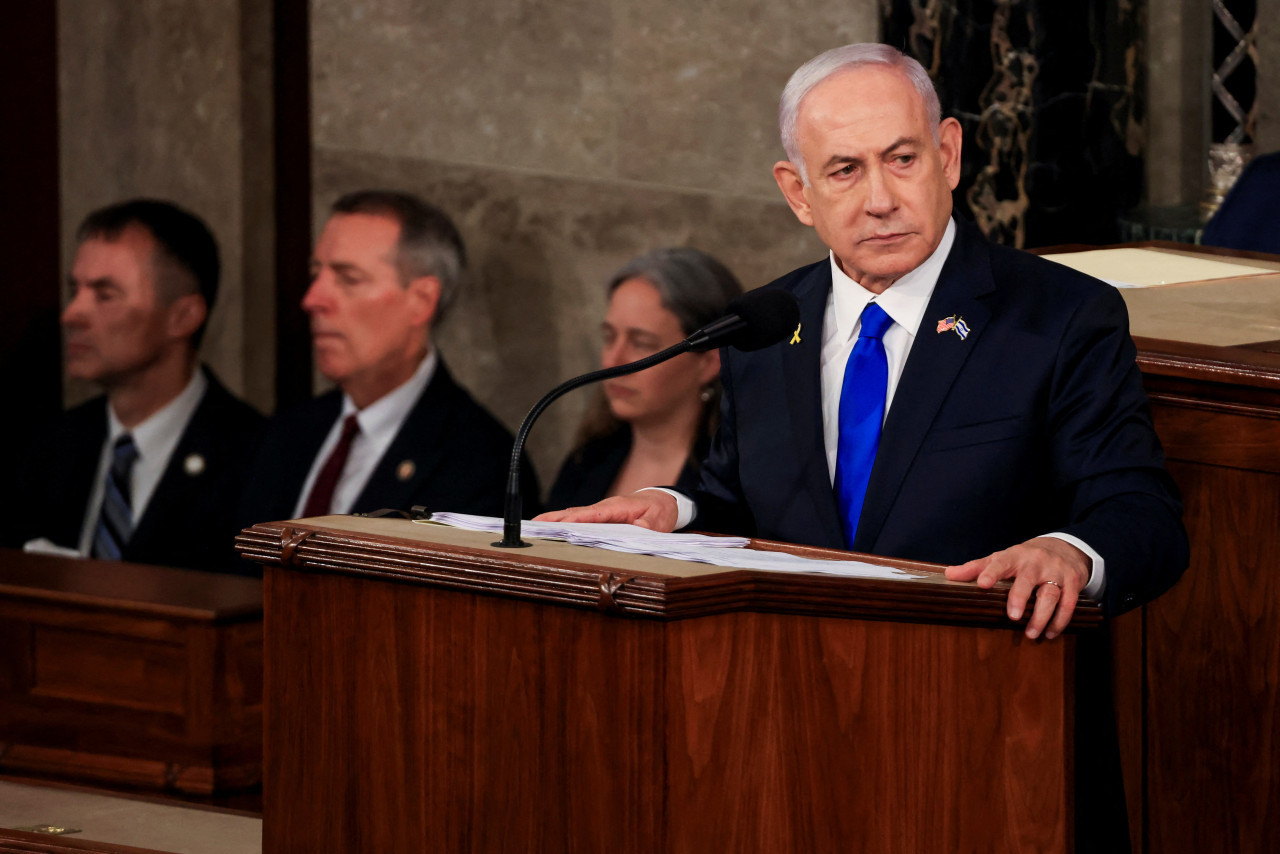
pixel 752 321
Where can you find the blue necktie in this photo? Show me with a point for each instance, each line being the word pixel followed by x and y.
pixel 866 381
pixel 115 524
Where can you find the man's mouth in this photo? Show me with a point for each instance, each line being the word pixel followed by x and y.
pixel 883 239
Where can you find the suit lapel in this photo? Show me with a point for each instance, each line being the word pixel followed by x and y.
pixel 931 369
pixel 417 450
pixel 802 372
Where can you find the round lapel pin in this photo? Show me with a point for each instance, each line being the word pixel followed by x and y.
pixel 193 465
pixel 405 470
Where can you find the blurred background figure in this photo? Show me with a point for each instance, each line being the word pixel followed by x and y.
pixel 150 470
pixel 1250 215
pixel 652 428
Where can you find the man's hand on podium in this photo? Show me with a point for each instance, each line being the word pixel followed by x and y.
pixel 1053 569
pixel 652 509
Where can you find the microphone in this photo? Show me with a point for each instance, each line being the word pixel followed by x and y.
pixel 753 321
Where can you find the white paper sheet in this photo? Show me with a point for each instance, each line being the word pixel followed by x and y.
pixel 718 551
pixel 1149 268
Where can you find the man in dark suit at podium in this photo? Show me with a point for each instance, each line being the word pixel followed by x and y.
pixel 151 471
pixel 398 431
pixel 943 398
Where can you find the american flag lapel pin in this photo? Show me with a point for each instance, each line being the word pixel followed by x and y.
pixel 955 324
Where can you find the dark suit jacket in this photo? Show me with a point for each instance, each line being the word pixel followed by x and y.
pixel 589 471
pixel 454 453
pixel 1034 423
pixel 1250 214
pixel 189 521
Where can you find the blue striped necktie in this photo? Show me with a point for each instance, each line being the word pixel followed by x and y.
pixel 115 522
pixel 866 381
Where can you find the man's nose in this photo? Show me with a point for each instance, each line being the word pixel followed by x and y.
pixel 319 294
pixel 881 198
pixel 75 314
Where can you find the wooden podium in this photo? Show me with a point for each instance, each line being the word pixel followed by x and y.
pixel 426 691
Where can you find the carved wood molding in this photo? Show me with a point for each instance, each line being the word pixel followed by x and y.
pixel 1255 370
pixel 1248 410
pixel 655 596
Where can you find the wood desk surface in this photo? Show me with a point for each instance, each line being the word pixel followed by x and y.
pixel 130 587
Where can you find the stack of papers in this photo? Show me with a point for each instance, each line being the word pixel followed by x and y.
pixel 718 551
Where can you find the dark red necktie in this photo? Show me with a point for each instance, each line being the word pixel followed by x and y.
pixel 327 481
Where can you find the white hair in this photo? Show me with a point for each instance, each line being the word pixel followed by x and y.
pixel 840 59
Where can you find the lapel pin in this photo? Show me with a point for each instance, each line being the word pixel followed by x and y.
pixel 795 336
pixel 405 470
pixel 954 324
pixel 193 465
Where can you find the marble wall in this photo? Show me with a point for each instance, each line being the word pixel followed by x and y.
pixel 566 138
pixel 1051 97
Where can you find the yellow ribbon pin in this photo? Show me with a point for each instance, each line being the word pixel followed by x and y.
pixel 795 336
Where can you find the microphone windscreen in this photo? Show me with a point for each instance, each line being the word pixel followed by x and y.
pixel 769 314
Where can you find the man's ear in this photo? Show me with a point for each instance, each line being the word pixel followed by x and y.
pixel 787 174
pixel 424 302
pixel 185 315
pixel 950 138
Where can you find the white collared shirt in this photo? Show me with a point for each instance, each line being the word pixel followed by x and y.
pixel 379 423
pixel 155 439
pixel 904 301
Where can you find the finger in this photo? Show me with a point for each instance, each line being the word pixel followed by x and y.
pixel 1019 594
pixel 998 567
pixel 552 516
pixel 1047 598
pixel 966 571
pixel 1066 607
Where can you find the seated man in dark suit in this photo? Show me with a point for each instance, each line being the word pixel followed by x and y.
pixel 943 399
pixel 1250 214
pixel 398 431
pixel 152 470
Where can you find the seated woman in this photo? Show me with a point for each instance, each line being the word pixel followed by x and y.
pixel 651 428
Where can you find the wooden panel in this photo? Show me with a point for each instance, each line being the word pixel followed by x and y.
pixel 799 734
pixel 443 721
pixel 108 671
pixel 1220 434
pixel 157 683
pixel 1214 672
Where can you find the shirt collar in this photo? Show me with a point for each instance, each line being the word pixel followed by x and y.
pixel 387 413
pixel 162 427
pixel 905 300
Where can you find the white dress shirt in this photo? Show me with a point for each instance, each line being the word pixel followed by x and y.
pixel 905 302
pixel 155 439
pixel 379 423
